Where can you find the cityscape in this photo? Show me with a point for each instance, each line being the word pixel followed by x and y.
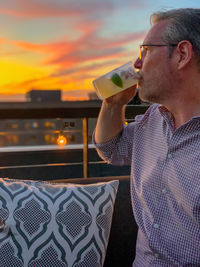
pixel 43 132
pixel 48 132
pixel 31 146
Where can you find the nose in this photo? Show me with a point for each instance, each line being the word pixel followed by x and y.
pixel 138 63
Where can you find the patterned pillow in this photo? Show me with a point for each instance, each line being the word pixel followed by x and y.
pixel 43 224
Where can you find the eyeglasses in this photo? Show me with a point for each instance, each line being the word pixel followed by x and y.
pixel 143 48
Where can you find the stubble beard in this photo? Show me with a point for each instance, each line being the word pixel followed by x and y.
pixel 153 92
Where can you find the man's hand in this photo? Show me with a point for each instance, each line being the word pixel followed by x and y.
pixel 112 115
pixel 123 97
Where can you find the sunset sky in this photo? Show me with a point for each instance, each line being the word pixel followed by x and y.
pixel 65 44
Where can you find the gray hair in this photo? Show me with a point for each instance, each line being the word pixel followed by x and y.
pixel 184 25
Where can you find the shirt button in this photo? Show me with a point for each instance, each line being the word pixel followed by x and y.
pixel 169 156
pixel 164 190
pixel 156 226
pixel 156 255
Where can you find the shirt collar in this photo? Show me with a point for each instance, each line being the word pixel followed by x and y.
pixel 166 113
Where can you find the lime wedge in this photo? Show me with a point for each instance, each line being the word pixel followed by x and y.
pixel 116 79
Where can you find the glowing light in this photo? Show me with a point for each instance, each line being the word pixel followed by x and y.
pixel 62 140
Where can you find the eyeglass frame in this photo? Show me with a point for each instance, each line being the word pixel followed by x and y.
pixel 156 45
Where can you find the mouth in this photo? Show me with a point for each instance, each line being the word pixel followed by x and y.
pixel 138 75
pixel 139 78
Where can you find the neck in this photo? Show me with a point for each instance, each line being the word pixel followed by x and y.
pixel 184 99
pixel 184 108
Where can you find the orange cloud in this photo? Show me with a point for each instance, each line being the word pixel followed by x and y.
pixel 93 48
pixel 2 40
pixel 69 64
pixel 70 56
pixel 89 46
pixel 43 48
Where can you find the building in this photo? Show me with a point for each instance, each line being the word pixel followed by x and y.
pixel 40 96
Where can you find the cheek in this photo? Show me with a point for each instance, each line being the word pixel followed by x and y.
pixel 156 68
pixel 146 63
pixel 150 68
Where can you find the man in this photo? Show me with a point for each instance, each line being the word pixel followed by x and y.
pixel 163 145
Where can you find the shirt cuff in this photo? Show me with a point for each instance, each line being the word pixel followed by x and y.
pixel 106 146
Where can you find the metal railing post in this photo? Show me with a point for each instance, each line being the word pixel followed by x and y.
pixel 85 148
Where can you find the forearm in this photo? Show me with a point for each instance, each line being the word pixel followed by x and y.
pixel 110 121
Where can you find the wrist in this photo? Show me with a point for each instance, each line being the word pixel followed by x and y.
pixel 115 110
pixel 113 105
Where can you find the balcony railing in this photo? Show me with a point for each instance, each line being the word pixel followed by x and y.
pixel 64 110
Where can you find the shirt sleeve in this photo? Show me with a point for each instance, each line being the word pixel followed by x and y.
pixel 118 150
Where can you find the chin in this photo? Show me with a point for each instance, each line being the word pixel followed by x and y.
pixel 146 96
pixel 142 96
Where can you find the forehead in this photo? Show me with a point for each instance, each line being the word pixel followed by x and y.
pixel 155 32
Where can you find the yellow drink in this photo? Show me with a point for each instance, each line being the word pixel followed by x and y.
pixel 115 81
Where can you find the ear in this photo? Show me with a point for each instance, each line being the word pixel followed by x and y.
pixel 184 50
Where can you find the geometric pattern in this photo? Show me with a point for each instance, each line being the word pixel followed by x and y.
pixel 47 224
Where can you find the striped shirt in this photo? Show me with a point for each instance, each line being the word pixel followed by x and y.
pixel 165 186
